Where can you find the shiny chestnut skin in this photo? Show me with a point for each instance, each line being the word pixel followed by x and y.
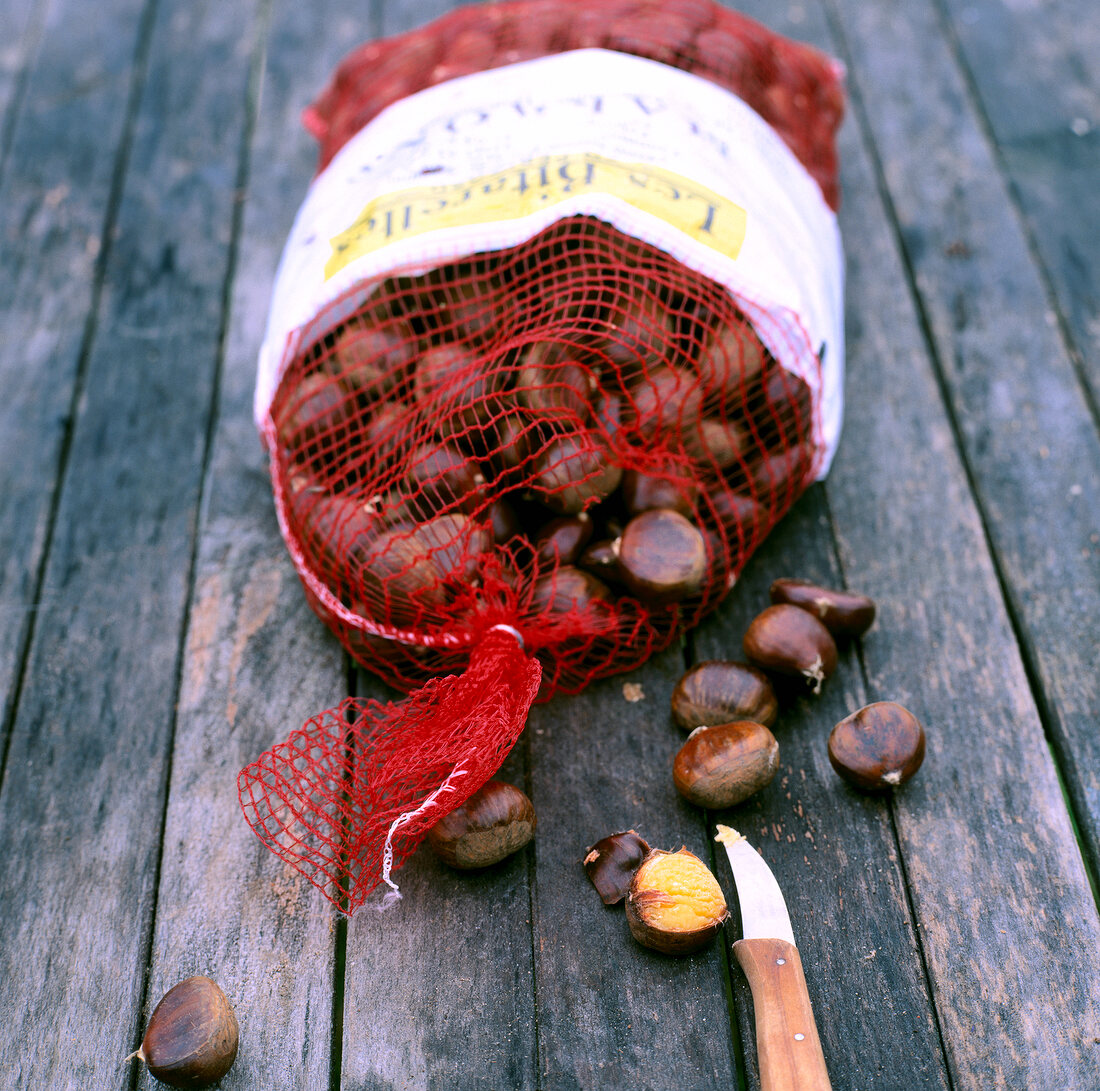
pixel 611 862
pixel 193 1035
pixel 719 692
pixel 843 613
pixel 562 540
pixel 497 820
pixel 662 556
pixel 789 641
pixel 573 472
pixel 567 588
pixel 877 748
pixel 722 765
pixel 644 492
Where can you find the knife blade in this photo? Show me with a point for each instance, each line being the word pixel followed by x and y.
pixel 787 1043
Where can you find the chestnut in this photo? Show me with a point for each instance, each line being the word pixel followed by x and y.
pixel 561 540
pixel 662 556
pixel 644 492
pixel 316 410
pixel 573 472
pixel 675 904
pixel 843 613
pixel 878 747
pixel 722 765
pixel 563 388
pixel 445 472
pixel 611 862
pixel 602 559
pixel 497 820
pixel 786 640
pixel 192 1037
pixel 372 360
pixel 714 443
pixel 718 692
pixel 666 399
pixel 731 362
pixel 566 588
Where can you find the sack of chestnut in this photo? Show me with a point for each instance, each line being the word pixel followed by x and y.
pixel 555 341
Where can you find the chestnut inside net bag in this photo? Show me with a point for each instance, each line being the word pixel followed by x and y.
pixel 555 341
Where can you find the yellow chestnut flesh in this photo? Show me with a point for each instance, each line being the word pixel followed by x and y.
pixel 675 904
pixel 719 692
pixel 192 1037
pixel 723 765
pixel 497 820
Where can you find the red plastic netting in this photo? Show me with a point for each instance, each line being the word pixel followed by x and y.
pixel 522 470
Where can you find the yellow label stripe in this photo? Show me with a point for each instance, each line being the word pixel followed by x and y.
pixel 518 191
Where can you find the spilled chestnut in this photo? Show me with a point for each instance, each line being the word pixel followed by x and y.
pixel 843 613
pixel 611 862
pixel 675 904
pixel 192 1037
pixel 878 747
pixel 722 765
pixel 718 692
pixel 497 820
pixel 787 640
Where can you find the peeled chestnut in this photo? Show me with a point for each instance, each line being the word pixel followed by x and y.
pixel 843 613
pixel 675 904
pixel 192 1037
pixel 877 748
pixel 722 765
pixel 662 556
pixel 497 820
pixel 718 692
pixel 789 641
pixel 611 863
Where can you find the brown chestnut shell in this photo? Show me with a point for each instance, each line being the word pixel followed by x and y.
pixel 722 765
pixel 719 691
pixel 611 863
pixel 878 747
pixel 193 1035
pixel 496 821
pixel 789 641
pixel 662 556
pixel 843 613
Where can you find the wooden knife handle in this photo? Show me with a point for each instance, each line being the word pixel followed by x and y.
pixel 786 1036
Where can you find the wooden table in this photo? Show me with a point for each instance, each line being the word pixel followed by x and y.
pixel 155 637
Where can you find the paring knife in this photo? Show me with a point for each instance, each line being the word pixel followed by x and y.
pixel 786 1035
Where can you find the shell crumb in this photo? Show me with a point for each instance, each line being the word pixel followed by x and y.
pixel 633 692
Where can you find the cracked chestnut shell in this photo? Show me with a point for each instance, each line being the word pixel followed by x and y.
pixel 789 641
pixel 675 904
pixel 497 820
pixel 723 765
pixel 192 1037
pixel 611 863
pixel 877 748
pixel 843 613
pixel 719 692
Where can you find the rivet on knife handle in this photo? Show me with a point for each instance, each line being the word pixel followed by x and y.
pixel 786 1034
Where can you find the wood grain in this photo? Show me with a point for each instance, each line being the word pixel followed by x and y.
pixel 257 662
pixel 610 1011
pixel 1029 441
pixel 94 721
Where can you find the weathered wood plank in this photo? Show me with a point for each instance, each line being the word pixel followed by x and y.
pixel 258 662
pixel 84 792
pixel 438 989
pixel 611 1012
pixel 23 23
pixel 55 203
pixel 988 847
pixel 1036 70
pixel 1029 439
pixel 832 850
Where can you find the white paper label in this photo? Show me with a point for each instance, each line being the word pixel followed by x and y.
pixel 487 161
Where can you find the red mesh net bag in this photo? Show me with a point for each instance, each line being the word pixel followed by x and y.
pixel 529 407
